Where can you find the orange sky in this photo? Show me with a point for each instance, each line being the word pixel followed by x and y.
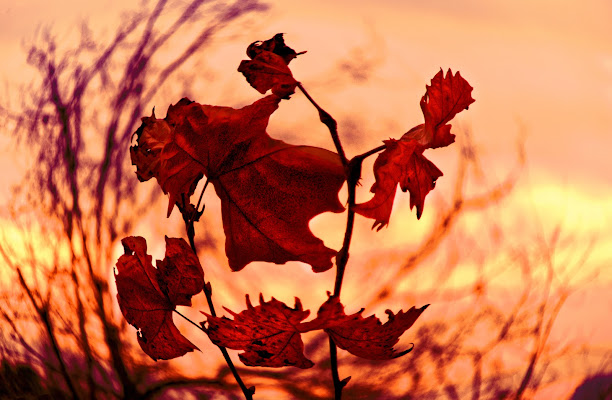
pixel 540 67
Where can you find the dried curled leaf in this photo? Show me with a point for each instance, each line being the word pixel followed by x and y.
pixel 366 337
pixel 403 163
pixel 147 296
pixel 269 189
pixel 269 333
pixel 268 67
pixel 152 135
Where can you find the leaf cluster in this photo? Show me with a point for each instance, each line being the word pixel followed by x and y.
pixel 269 191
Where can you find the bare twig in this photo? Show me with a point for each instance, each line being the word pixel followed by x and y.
pixel 331 124
pixel 248 392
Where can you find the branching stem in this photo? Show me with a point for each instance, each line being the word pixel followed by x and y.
pixel 331 124
pixel 190 321
pixel 353 172
pixel 248 392
pixel 196 215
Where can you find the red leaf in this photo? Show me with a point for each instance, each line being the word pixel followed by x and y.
pixel 152 137
pixel 403 163
pixel 180 273
pixel 444 98
pixel 269 189
pixel 365 337
pixel 269 333
pixel 147 296
pixel 268 68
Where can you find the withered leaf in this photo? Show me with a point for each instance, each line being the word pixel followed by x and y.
pixel 403 163
pixel 147 296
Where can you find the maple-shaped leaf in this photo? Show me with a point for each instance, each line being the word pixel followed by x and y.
pixel 147 295
pixel 268 67
pixel 269 333
pixel 365 337
pixel 269 189
pixel 403 163
pixel 152 137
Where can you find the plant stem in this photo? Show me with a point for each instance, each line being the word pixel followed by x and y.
pixel 353 171
pixel 354 174
pixel 190 321
pixel 248 392
pixel 331 124
pixel 343 255
pixel 197 213
pixel 333 356
pixel 371 152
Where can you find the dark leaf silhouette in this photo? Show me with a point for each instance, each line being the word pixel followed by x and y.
pixel 147 296
pixel 267 69
pixel 270 333
pixel 153 135
pixel 403 163
pixel 269 189
pixel 365 337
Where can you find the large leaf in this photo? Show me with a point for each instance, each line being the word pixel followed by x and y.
pixel 269 189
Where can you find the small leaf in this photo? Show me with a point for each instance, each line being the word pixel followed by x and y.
pixel 403 163
pixel 268 68
pixel 147 296
pixel 180 273
pixel 269 333
pixel 365 337
pixel 152 137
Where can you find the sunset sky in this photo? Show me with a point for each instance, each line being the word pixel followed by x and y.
pixel 539 68
pixel 541 71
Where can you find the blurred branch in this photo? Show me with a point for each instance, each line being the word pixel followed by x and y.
pixel 43 311
pixel 78 122
pixel 448 217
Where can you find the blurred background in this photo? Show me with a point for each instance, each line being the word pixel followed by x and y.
pixel 513 251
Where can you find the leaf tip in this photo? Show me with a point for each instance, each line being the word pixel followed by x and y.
pixel 298 304
pixel 378 225
pixel 403 353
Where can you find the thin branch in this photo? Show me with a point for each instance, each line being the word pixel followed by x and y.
pixel 331 124
pixel 372 152
pixel 353 169
pixel 248 392
pixel 43 313
pixel 190 321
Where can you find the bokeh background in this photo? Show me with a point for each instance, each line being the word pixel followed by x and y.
pixel 513 251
